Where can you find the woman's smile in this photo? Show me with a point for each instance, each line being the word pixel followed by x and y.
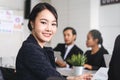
pixel 47 34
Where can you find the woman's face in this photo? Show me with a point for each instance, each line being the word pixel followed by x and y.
pixel 91 41
pixel 44 26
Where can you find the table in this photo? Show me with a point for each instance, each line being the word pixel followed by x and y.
pixel 101 74
pixel 70 71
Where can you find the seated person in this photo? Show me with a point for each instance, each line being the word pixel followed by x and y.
pixel 114 67
pixel 68 48
pixel 95 58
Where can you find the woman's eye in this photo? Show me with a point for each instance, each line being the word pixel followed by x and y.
pixel 43 22
pixel 54 24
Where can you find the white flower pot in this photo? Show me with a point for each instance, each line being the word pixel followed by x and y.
pixel 78 70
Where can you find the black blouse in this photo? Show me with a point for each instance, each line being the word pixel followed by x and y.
pixel 97 59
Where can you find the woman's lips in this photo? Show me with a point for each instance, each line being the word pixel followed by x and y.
pixel 47 34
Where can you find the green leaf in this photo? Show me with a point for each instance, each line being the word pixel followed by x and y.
pixel 77 60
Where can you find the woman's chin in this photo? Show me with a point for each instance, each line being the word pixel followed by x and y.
pixel 47 40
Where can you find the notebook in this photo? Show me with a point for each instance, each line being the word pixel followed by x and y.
pixel 57 55
pixel 101 74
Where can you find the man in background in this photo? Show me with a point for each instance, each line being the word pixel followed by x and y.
pixel 68 48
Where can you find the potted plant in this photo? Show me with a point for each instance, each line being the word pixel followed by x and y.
pixel 77 61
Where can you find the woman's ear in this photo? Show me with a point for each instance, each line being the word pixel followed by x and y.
pixel 96 40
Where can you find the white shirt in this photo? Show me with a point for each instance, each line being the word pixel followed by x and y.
pixel 68 50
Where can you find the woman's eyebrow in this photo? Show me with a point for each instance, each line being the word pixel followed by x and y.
pixel 44 19
pixel 47 20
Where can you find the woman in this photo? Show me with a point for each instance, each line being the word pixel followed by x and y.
pixel 34 60
pixel 114 68
pixel 95 58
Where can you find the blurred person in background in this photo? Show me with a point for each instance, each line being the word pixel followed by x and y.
pixel 68 48
pixel 95 58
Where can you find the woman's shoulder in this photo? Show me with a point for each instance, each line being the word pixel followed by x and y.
pixel 30 42
pixel 29 46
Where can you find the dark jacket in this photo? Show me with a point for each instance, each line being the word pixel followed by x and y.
pixel 97 59
pixel 74 50
pixel 114 67
pixel 34 62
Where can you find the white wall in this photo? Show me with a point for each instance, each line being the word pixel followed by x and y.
pixel 109 21
pixel 94 14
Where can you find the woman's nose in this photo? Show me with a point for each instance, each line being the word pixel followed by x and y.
pixel 49 27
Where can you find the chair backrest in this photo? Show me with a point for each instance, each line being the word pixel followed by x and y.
pixel 8 62
pixel 8 73
pixel 1 75
pixel 0 61
pixel 107 59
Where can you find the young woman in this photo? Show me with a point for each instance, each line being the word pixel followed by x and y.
pixel 95 58
pixel 114 68
pixel 34 60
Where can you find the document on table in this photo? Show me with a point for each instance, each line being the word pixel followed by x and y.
pixel 101 74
